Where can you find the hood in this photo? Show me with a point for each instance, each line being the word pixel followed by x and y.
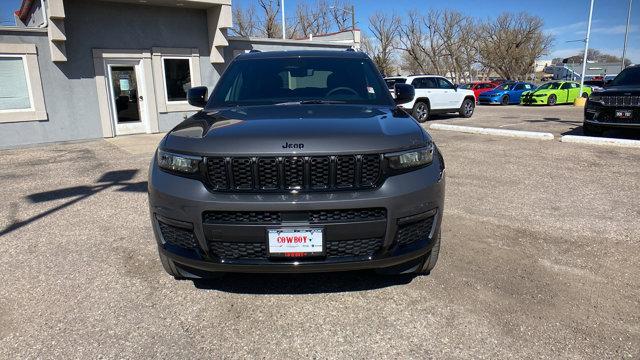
pixel 621 91
pixel 493 92
pixel 296 129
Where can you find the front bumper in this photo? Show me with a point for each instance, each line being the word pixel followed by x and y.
pixel 490 101
pixel 600 115
pixel 183 202
pixel 532 100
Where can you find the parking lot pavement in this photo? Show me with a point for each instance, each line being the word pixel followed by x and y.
pixel 539 260
pixel 558 120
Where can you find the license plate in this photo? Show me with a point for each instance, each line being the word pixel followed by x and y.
pixel 623 114
pixel 295 242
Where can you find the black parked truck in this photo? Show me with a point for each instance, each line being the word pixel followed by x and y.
pixel 618 106
pixel 300 161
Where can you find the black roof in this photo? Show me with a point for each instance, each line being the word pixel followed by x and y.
pixel 303 53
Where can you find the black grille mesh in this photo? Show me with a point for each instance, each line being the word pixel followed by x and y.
pixel 313 217
pixel 238 250
pixel 359 247
pixel 410 233
pixel 177 236
pixel 349 215
pixel 241 217
pixel 314 173
pixel 334 249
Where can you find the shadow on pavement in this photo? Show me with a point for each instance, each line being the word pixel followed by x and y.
pixel 120 179
pixel 629 134
pixel 298 284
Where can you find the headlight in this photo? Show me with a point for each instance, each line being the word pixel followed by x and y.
pixel 410 159
pixel 179 163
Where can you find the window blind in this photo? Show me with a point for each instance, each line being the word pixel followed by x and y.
pixel 14 91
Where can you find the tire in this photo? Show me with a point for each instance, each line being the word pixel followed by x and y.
pixel 504 100
pixel 585 95
pixel 420 111
pixel 169 266
pixel 591 130
pixel 466 109
pixel 552 100
pixel 429 261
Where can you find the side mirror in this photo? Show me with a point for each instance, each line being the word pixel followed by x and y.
pixel 197 96
pixel 455 87
pixel 404 93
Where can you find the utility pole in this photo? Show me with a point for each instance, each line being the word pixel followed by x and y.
pixel 284 28
pixel 586 48
pixel 626 34
pixel 353 26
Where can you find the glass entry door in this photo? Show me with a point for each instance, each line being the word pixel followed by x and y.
pixel 127 98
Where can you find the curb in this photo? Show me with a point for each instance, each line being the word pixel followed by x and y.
pixel 492 131
pixel 600 141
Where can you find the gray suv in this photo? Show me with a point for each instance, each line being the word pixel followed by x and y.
pixel 299 161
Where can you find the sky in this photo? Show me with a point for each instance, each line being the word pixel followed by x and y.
pixel 565 19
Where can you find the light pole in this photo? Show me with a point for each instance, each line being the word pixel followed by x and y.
pixel 586 48
pixel 284 28
pixel 626 33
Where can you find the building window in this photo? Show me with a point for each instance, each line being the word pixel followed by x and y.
pixel 21 95
pixel 177 78
pixel 175 71
pixel 15 93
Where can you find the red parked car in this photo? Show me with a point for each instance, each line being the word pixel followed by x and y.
pixel 478 87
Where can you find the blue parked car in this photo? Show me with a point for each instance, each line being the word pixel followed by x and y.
pixel 505 93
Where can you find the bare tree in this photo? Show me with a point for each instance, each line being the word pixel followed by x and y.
pixel 270 27
pixel 244 21
pixel 311 20
pixel 510 44
pixel 339 13
pixel 384 29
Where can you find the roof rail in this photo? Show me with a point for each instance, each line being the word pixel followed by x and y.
pixel 350 49
pixel 254 51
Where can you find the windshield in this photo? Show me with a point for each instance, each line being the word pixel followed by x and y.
pixel 550 86
pixel 392 82
pixel 505 86
pixel 300 79
pixel 628 76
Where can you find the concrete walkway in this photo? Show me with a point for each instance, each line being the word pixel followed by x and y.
pixel 137 144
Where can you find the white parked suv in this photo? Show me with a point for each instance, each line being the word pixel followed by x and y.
pixel 435 95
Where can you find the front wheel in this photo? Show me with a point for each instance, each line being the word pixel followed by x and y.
pixel 421 111
pixel 467 107
pixel 552 100
pixel 504 100
pixel 585 95
pixel 429 261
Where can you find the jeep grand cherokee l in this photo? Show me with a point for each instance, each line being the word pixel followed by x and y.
pixel 299 161
pixel 618 106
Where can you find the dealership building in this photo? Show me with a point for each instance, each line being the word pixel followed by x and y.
pixel 87 69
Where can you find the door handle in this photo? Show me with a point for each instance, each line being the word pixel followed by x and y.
pixel 141 98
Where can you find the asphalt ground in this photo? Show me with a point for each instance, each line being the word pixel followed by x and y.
pixel 558 120
pixel 541 242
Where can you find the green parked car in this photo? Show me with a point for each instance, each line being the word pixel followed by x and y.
pixel 555 92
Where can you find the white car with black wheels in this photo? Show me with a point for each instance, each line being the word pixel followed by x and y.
pixel 434 95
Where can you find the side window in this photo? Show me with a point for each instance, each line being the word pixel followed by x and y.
pixel 444 83
pixel 430 83
pixel 519 87
pixel 565 86
pixel 527 86
pixel 417 83
pixel 574 85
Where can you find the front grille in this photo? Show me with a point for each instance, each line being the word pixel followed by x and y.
pixel 352 215
pixel 314 173
pixel 334 249
pixel 238 250
pixel 241 217
pixel 312 217
pixel 359 247
pixel 610 100
pixel 412 232
pixel 177 236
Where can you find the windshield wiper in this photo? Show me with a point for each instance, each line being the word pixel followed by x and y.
pixel 313 101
